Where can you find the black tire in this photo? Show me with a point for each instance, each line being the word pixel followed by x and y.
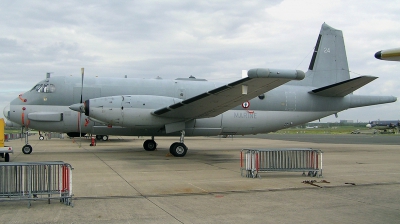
pixel 41 138
pixel 27 149
pixel 99 137
pixel 7 157
pixel 172 147
pixel 104 138
pixel 149 145
pixel 178 149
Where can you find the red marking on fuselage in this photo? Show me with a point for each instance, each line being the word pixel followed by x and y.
pixel 22 99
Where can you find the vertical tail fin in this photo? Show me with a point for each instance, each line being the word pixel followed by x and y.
pixel 329 61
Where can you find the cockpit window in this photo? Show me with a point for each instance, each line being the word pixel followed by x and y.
pixel 44 88
pixel 37 87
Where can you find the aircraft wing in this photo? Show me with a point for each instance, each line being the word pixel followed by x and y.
pixel 344 88
pixel 219 100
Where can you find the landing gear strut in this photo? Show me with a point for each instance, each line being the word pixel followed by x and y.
pixel 26 149
pixel 179 149
pixel 41 137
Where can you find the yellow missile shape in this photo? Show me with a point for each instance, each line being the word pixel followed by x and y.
pixel 389 54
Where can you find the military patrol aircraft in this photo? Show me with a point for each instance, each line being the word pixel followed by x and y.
pixel 267 100
pixel 384 125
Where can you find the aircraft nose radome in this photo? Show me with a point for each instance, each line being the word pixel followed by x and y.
pixel 369 126
pixel 378 55
pixel 6 111
pixel 77 107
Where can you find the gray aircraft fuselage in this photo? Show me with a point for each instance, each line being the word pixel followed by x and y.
pixel 286 106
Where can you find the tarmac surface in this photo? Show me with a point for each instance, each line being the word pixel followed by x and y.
pixel 375 139
pixel 119 182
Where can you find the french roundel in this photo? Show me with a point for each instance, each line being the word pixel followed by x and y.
pixel 246 104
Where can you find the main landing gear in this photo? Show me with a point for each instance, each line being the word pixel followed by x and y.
pixel 177 149
pixel 150 144
pixel 102 137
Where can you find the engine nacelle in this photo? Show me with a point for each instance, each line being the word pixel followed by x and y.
pixel 132 111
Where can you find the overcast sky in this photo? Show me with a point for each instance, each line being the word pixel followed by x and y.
pixel 208 39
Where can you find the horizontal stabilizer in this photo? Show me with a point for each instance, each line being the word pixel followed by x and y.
pixel 344 88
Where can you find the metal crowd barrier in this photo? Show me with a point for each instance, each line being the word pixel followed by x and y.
pixel 13 136
pixel 49 135
pixel 253 161
pixel 36 181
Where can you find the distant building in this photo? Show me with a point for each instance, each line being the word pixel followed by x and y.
pixel 346 121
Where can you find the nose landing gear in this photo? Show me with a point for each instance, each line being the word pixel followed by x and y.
pixel 27 149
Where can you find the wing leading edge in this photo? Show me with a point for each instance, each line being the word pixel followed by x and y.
pixel 221 99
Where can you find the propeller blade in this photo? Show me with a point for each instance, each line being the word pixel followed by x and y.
pixel 82 71
pixel 80 113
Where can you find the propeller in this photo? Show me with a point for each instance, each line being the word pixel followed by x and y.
pixel 80 114
pixel 83 73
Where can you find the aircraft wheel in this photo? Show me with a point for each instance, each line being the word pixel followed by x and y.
pixel 7 157
pixel 178 149
pixel 27 149
pixel 104 137
pixel 172 147
pixel 149 145
pixel 41 138
pixel 99 137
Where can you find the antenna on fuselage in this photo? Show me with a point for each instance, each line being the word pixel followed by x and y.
pixel 48 76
